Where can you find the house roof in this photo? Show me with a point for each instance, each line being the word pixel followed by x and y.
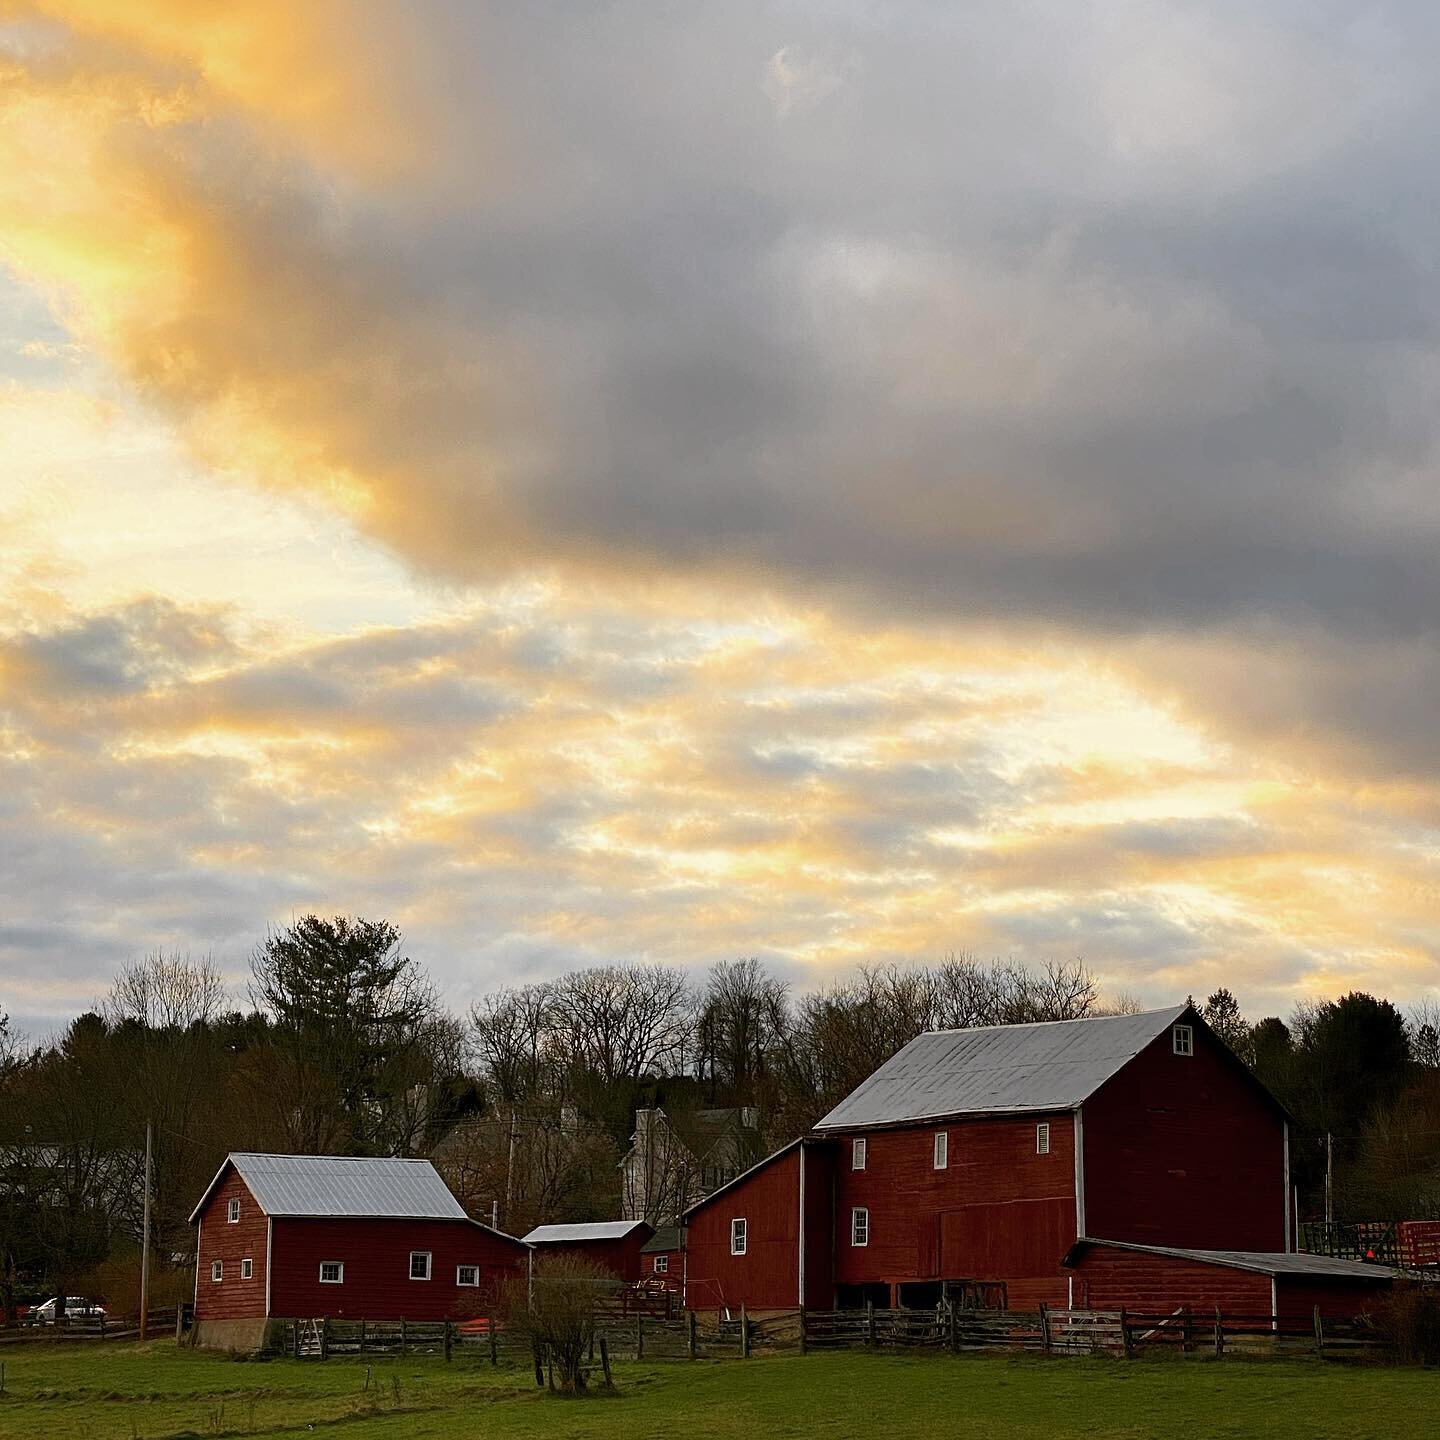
pixel 667 1237
pixel 1263 1262
pixel 590 1230
pixel 999 1069
pixel 341 1186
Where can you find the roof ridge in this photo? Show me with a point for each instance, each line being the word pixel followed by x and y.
pixel 1036 1024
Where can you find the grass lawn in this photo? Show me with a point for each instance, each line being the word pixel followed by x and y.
pixel 154 1391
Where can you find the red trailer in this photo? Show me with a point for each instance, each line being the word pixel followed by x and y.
pixel 311 1236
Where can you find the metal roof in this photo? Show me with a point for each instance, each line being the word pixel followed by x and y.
pixel 590 1230
pixel 342 1186
pixel 667 1237
pixel 1000 1069
pixel 1265 1262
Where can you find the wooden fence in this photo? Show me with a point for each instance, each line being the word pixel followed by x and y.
pixel 75 1329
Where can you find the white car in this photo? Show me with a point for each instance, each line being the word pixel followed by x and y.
pixel 75 1306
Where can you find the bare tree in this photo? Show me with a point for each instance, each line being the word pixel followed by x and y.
pixel 623 1022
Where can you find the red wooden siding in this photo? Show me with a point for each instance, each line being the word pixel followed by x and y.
pixel 671 1274
pixel 998 1211
pixel 820 1163
pixel 376 1256
pixel 621 1257
pixel 231 1298
pixel 1107 1279
pixel 1185 1150
pixel 766 1276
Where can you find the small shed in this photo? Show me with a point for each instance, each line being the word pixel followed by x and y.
pixel 1112 1274
pixel 661 1259
pixel 613 1245
pixel 326 1236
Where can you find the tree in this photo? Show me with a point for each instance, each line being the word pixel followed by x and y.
pixel 1221 1013
pixel 743 1017
pixel 555 1310
pixel 350 1019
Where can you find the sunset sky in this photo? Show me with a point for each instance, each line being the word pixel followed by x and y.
pixel 835 482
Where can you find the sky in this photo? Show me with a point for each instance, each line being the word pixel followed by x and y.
pixel 839 482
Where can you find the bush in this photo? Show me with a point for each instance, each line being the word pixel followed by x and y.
pixel 556 1310
pixel 1409 1323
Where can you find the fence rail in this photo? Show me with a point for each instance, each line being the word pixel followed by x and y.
pixel 75 1329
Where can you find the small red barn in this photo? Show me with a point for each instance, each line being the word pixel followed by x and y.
pixel 311 1236
pixel 1109 1275
pixel 662 1260
pixel 613 1245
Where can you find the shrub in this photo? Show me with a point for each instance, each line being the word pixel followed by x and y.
pixel 1409 1323
pixel 556 1310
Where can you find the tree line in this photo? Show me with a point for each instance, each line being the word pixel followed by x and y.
pixel 527 1102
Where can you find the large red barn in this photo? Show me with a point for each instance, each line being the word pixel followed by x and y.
pixel 311 1236
pixel 981 1156
pixel 612 1245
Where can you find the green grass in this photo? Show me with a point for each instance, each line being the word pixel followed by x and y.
pixel 154 1391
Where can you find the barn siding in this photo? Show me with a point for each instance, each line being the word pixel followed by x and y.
pixel 998 1211
pixel 820 1162
pixel 1298 1295
pixel 1185 1150
pixel 231 1298
pixel 766 1276
pixel 376 1255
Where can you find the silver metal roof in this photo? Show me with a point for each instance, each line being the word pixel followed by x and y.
pixel 1264 1261
pixel 1001 1069
pixel 342 1186
pixel 591 1230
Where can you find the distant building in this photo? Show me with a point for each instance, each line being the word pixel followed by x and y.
pixel 613 1245
pixel 677 1159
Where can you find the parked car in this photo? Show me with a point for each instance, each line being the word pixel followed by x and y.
pixel 76 1307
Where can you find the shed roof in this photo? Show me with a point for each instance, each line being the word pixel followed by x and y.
pixel 667 1237
pixel 1263 1262
pixel 999 1069
pixel 341 1186
pixel 589 1230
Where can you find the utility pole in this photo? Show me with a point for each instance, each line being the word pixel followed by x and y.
pixel 1329 1178
pixel 145 1235
pixel 494 1214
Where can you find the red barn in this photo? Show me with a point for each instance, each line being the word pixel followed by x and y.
pixel 981 1156
pixel 662 1260
pixel 1154 1278
pixel 305 1236
pixel 613 1245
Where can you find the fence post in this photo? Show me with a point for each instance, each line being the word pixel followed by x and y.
pixel 325 1338
pixel 1045 1325
pixel 954 1327
pixel 1319 1334
pixel 870 1324
pixel 404 1335
pixel 539 1365
pixel 1219 1335
pixel 690 1333
pixel 744 1334
pixel 605 1363
pixel 295 1336
pixel 447 1342
pixel 102 1324
pixel 490 1328
pixel 1124 1333
pixel 1187 1332
pixel 639 1337
pixel 801 1318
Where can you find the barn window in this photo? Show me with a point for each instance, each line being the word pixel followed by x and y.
pixel 332 1272
pixel 1042 1138
pixel 217 1271
pixel 419 1264
pixel 247 1269
pixel 1184 1040
pixel 467 1274
pixel 859 1226
pixel 858 1148
pixel 942 1149
pixel 662 1264
pixel 738 1236
pixel 232 1212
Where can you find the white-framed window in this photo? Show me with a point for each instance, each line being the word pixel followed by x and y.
pixel 942 1149
pixel 247 1269
pixel 1042 1138
pixel 419 1264
pixel 217 1271
pixel 858 1152
pixel 859 1226
pixel 1183 1040
pixel 467 1274
pixel 662 1264
pixel 232 1212
pixel 739 1235
pixel 332 1272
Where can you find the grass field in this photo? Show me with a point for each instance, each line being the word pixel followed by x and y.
pixel 128 1391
